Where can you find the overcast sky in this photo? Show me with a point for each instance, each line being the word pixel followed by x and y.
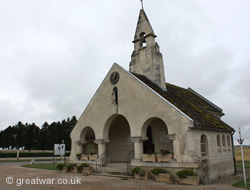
pixel 54 54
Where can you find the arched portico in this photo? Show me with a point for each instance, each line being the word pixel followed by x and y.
pixel 87 138
pixel 153 138
pixel 116 140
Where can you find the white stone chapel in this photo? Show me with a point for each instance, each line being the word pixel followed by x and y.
pixel 136 113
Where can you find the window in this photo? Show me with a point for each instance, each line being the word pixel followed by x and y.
pixel 218 143
pixel 204 147
pixel 224 143
pixel 228 142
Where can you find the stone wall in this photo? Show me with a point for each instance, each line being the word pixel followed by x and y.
pixel 220 155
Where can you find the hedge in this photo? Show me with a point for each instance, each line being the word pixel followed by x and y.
pixel 28 154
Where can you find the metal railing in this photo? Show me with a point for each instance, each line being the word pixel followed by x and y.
pixel 129 158
pixel 101 161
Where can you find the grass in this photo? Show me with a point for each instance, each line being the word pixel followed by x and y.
pixel 41 166
pixel 1 161
pixel 241 184
pixel 246 163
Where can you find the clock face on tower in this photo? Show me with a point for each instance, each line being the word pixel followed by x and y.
pixel 114 78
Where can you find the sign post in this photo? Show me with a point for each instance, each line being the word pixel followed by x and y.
pixel 59 150
pixel 242 155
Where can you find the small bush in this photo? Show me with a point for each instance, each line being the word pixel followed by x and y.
pixel 136 170
pixel 60 166
pixel 185 173
pixel 158 170
pixel 165 152
pixel 80 167
pixel 70 166
pixel 142 172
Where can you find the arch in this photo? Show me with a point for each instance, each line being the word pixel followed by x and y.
pixel 218 141
pixel 108 124
pixel 223 141
pixel 204 145
pixel 228 141
pixel 117 132
pixel 147 123
pixel 142 38
pixel 154 134
pixel 87 138
pixel 87 132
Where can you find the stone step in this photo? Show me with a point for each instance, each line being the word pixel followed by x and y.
pixel 117 169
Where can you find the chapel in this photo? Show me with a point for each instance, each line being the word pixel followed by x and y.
pixel 136 117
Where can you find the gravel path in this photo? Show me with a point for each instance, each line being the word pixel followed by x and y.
pixel 93 182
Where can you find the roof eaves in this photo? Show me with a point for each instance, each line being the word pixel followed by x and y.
pixel 206 100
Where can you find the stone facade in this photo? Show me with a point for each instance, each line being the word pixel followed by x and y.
pixel 136 110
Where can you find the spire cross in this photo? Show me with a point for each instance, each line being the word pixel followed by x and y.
pixel 142 4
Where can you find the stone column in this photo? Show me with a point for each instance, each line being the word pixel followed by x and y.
pixel 101 145
pixel 138 147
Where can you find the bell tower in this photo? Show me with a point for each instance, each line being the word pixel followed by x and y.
pixel 146 58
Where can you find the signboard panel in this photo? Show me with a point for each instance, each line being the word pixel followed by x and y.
pixel 59 149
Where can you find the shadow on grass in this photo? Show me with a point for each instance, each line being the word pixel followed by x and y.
pixel 41 166
pixel 241 184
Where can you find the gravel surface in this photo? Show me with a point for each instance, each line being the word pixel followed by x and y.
pixel 18 173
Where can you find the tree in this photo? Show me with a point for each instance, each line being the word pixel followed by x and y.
pixel 31 136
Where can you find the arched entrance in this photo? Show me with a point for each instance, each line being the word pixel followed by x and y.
pixel 155 131
pixel 119 140
pixel 87 141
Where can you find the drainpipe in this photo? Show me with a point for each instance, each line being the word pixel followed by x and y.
pixel 232 139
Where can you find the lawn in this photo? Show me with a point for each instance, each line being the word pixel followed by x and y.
pixel 1 161
pixel 241 184
pixel 239 164
pixel 41 166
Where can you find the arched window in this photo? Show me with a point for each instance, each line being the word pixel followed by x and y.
pixel 228 142
pixel 224 143
pixel 142 39
pixel 204 145
pixel 218 141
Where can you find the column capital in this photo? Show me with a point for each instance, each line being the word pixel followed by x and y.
pixel 138 139
pixel 101 141
pixel 81 142
pixel 171 137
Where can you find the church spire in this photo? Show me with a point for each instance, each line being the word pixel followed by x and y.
pixel 146 58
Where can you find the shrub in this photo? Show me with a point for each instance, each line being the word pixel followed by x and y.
pixel 158 170
pixel 136 170
pixel 142 172
pixel 185 173
pixel 78 156
pixel 80 167
pixel 165 152
pixel 70 166
pixel 60 166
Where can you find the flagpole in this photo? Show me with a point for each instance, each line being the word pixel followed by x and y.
pixel 242 155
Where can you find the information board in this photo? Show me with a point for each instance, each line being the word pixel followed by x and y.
pixel 59 149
